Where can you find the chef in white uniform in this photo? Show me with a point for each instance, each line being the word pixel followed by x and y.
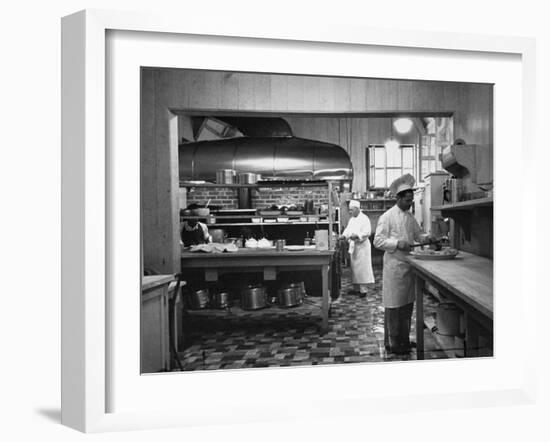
pixel 396 231
pixel 357 233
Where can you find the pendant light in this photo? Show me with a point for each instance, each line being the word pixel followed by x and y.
pixel 403 125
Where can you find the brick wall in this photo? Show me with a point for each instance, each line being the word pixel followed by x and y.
pixel 261 198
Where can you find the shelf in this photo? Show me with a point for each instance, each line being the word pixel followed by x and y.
pixel 291 223
pixel 466 205
pixel 258 184
pixel 310 304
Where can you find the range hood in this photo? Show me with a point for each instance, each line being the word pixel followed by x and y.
pixel 274 158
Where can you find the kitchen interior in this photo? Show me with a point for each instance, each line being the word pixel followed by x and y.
pixel 268 163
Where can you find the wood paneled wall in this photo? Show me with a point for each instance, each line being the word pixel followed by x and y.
pixel 166 90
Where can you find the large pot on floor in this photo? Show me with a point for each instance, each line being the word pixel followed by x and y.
pixel 253 297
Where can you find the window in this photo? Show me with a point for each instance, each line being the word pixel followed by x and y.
pixel 385 164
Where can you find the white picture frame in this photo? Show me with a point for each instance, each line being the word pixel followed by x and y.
pixel 88 171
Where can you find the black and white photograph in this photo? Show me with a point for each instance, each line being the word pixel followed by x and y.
pixel 301 220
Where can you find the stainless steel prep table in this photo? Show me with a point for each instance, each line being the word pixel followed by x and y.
pixel 468 281
pixel 269 261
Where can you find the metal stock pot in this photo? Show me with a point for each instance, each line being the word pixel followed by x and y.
pixel 291 294
pixel 253 298
pixel 199 299
pixel 220 300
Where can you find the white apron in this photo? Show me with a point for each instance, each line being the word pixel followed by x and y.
pixel 397 280
pixel 360 250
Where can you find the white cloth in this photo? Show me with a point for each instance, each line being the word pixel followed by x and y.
pixel 397 279
pixel 359 249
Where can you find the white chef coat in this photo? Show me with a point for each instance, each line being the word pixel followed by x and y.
pixel 397 281
pixel 359 250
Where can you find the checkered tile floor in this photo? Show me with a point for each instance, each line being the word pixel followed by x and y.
pixel 355 334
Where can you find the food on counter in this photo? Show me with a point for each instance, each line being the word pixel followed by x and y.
pixel 214 248
pixel 445 253
pixel 251 243
pixel 264 243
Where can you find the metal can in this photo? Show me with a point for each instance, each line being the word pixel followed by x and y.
pixel 280 245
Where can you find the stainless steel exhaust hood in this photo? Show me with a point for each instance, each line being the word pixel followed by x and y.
pixel 281 158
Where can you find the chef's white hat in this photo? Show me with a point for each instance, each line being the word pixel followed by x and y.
pixel 354 203
pixel 404 182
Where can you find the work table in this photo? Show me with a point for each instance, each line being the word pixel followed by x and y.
pixel 468 281
pixel 468 276
pixel 269 261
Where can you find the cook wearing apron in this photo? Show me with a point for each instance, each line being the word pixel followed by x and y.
pixel 357 233
pixel 396 231
pixel 193 233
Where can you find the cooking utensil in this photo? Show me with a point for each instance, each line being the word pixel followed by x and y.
pixel 291 294
pixel 248 178
pixel 308 207
pixel 220 300
pixel 436 244
pixel 225 176
pixel 253 298
pixel 294 248
pixel 433 255
pixel 448 319
pixel 218 235
pixel 200 211
pixel 199 299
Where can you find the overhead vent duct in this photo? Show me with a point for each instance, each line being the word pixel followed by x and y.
pixel 274 158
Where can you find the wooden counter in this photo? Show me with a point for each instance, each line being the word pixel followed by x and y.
pixel 468 281
pixel 269 261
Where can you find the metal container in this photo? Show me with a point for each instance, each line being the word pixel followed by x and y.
pixel 291 295
pixel 448 319
pixel 237 241
pixel 225 176
pixel 253 298
pixel 321 239
pixel 248 178
pixel 200 211
pixel 280 245
pixel 218 235
pixel 199 299
pixel 220 300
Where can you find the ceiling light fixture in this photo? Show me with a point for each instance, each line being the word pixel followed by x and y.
pixel 403 125
pixel 392 143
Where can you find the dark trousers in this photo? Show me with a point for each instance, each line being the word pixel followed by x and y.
pixel 397 326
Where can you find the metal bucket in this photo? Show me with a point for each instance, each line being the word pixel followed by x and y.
pixel 448 319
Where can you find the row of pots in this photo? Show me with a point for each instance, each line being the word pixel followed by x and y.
pixel 253 297
pixel 230 176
